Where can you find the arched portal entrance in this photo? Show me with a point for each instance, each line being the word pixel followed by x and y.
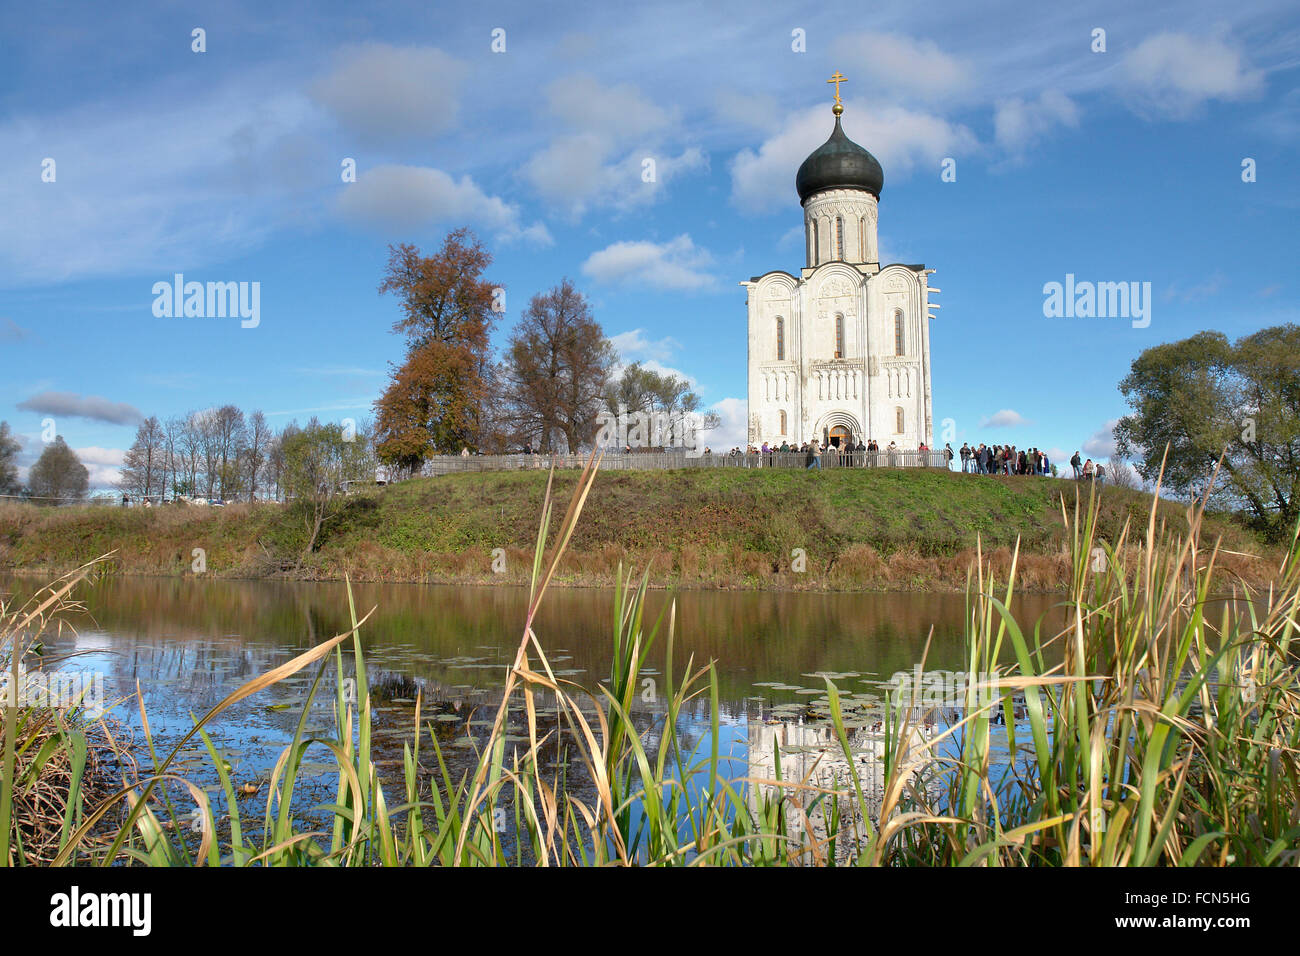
pixel 838 428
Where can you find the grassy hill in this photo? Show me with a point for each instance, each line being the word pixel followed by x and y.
pixel 875 529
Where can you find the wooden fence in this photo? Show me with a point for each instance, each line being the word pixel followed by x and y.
pixel 661 460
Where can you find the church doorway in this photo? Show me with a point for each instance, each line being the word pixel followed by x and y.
pixel 840 436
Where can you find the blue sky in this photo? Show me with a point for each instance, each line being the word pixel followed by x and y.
pixel 225 165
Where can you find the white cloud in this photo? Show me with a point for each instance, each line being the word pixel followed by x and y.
pixel 104 465
pixel 891 64
pixel 384 93
pixel 581 171
pixel 414 197
pixel 1173 73
pixel 635 346
pixel 733 426
pixel 674 264
pixel 1006 418
pixel 900 138
pixel 1019 124
pixel 94 455
pixel 1102 442
pixel 602 159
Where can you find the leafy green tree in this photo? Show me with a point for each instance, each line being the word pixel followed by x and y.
pixel 318 460
pixel 58 474
pixel 1204 397
pixel 640 389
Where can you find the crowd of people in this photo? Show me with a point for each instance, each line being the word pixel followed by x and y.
pixel 978 459
pixel 1009 460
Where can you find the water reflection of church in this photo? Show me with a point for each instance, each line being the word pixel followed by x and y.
pixel 811 755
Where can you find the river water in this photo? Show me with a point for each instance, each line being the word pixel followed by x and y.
pixel 186 643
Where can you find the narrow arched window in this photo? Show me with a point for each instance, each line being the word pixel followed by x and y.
pixel 898 420
pixel 839 336
pixel 817 242
pixel 783 421
pixel 780 339
pixel 862 239
pixel 899 341
pixel 839 238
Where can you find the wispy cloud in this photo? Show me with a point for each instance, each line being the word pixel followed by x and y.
pixel 1020 124
pixel 343 405
pixel 11 331
pixel 1208 287
pixel 336 370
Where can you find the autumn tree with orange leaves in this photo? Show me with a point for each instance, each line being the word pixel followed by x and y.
pixel 437 399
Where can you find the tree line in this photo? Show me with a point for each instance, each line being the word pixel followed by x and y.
pixel 218 454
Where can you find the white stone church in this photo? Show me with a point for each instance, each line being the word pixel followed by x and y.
pixel 841 351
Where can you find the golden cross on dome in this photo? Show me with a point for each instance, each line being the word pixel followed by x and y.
pixel 837 79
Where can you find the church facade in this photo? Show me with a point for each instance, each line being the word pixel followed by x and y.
pixel 840 352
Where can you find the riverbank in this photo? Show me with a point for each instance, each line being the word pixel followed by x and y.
pixel 849 529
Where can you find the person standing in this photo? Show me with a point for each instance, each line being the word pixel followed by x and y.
pixel 1074 463
pixel 814 456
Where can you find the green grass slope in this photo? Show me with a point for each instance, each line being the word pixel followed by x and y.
pixel 855 528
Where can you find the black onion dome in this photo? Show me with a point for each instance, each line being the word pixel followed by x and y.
pixel 839 163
